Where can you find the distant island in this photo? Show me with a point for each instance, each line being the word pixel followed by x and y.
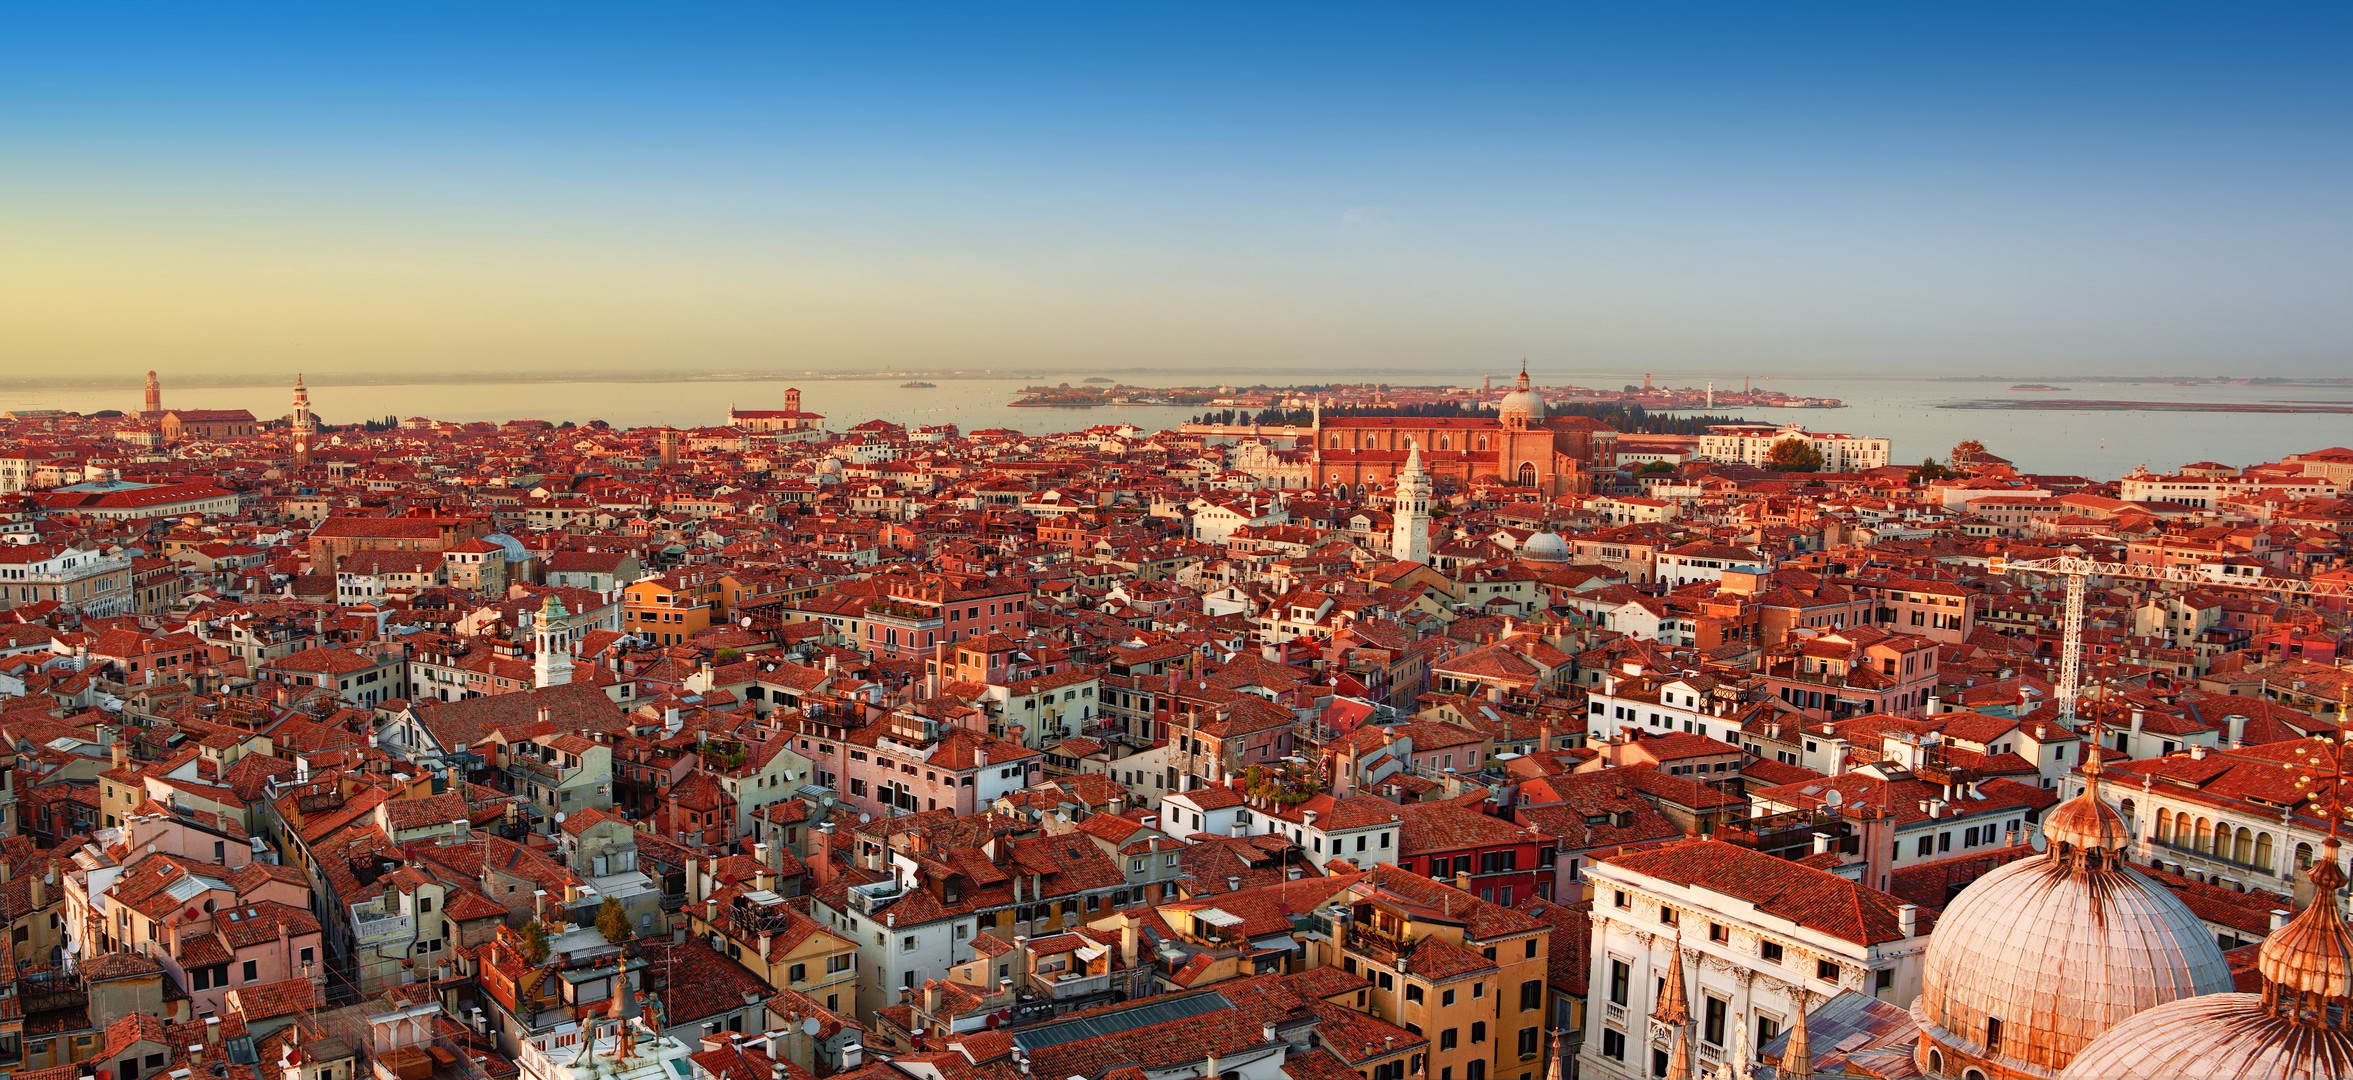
pixel 919 384
pixel 1259 398
pixel 2150 406
pixel 2176 380
pixel 2036 387
pixel 1095 378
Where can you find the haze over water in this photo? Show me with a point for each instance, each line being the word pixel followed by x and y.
pixel 2097 444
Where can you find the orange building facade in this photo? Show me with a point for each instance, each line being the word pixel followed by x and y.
pixel 1520 447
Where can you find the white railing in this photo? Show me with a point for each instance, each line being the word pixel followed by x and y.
pixel 375 926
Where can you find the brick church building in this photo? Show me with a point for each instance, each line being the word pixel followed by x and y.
pixel 1520 447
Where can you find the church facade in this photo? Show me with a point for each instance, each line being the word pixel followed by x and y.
pixel 1520 446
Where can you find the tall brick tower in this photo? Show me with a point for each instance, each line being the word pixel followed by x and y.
pixel 154 396
pixel 304 425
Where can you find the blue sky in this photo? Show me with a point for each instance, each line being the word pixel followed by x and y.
pixel 1693 188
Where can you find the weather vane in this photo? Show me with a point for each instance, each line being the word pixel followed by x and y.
pixel 2327 790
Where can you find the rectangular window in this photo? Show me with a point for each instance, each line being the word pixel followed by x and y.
pixel 1826 970
pixel 1620 975
pixel 1613 1044
pixel 1711 1029
pixel 1531 995
pixel 1447 1039
pixel 1771 951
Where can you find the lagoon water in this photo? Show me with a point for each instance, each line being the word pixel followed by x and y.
pixel 2092 443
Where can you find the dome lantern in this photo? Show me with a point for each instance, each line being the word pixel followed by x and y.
pixel 1521 408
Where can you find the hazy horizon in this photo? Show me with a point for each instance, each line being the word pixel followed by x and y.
pixel 1800 191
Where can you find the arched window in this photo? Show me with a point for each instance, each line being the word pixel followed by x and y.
pixel 2164 834
pixel 2126 810
pixel 1527 474
pixel 2242 847
pixel 1441 442
pixel 1482 442
pixel 2204 839
pixel 2263 851
pixel 2303 856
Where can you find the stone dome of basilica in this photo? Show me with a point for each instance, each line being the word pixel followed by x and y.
pixel 2035 960
pixel 2296 1029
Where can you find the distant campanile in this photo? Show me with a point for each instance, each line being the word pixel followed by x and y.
pixel 154 395
pixel 304 426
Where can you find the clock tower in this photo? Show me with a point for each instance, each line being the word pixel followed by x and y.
pixel 304 426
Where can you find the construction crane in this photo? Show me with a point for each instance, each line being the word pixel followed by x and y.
pixel 2077 569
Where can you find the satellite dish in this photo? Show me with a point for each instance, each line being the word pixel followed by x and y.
pixel 1832 798
pixel 559 817
pixel 809 1025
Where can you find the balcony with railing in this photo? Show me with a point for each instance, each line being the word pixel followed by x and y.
pixel 1365 937
pixel 1070 984
pixel 2214 858
pixel 905 614
pixel 875 896
pixel 371 925
pixel 535 770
